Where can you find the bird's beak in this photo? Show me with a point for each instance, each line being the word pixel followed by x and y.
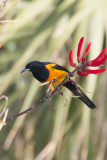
pixel 26 69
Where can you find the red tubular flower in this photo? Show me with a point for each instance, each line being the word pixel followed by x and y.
pixel 99 60
pixel 82 70
pixel 85 53
pixel 97 63
pixel 95 71
pixel 79 49
pixel 100 55
pixel 71 59
pixel 80 73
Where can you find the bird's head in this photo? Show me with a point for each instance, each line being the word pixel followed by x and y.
pixel 38 70
pixel 29 67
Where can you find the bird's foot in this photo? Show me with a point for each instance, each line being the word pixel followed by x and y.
pixel 47 97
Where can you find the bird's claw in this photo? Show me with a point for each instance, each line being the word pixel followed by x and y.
pixel 47 98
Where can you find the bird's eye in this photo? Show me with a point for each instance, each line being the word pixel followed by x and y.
pixel 30 66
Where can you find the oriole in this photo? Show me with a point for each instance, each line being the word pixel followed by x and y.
pixel 52 74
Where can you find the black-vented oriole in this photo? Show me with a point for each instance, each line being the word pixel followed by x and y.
pixel 47 71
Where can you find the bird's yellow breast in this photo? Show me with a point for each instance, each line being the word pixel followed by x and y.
pixel 56 74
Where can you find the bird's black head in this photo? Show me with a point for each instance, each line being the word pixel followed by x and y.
pixel 38 70
pixel 30 66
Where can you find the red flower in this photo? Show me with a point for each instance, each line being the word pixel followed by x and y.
pixel 95 71
pixel 85 53
pixel 79 49
pixel 71 59
pixel 99 60
pixel 82 69
pixel 80 73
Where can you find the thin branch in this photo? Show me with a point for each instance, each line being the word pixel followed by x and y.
pixel 36 105
pixel 47 97
pixel 26 111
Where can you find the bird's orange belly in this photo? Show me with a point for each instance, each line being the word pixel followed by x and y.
pixel 54 74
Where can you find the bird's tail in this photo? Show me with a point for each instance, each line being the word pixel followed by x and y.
pixel 77 92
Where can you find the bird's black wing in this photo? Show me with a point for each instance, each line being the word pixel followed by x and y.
pixel 58 67
pixel 76 91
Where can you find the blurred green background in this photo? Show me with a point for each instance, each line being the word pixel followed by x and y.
pixel 47 31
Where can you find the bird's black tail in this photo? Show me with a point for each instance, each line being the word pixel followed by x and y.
pixel 77 92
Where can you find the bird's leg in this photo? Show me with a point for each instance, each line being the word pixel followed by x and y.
pixel 47 91
pixel 55 80
pixel 47 97
pixel 49 88
pixel 51 82
pixel 68 79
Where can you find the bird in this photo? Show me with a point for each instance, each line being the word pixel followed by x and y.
pixel 53 74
